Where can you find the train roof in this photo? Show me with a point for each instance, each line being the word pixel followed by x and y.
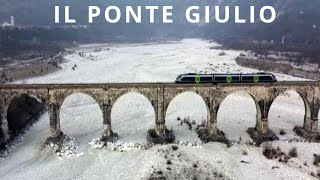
pixel 227 73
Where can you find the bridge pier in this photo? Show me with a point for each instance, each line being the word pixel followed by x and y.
pixel 212 113
pixel 262 126
pixel 106 111
pixel 311 124
pixel 263 107
pixel 159 109
pixel 311 118
pixel 54 109
pixel 4 133
pixel 160 128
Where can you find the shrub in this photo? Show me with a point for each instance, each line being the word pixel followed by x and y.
pixel 222 54
pixel 244 152
pixel 166 138
pixel 259 138
pixel 274 153
pixel 205 137
pixel 174 147
pixel 316 159
pixel 269 152
pixel 195 165
pixel 293 152
pixel 282 132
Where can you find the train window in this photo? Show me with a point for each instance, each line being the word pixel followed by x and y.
pixel 220 78
pixel 183 79
pixel 206 78
pixel 189 79
pixel 248 78
pixel 235 78
pixel 265 78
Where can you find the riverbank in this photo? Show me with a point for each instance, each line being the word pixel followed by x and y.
pixel 15 69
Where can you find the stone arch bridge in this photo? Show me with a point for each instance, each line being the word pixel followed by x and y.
pixel 160 95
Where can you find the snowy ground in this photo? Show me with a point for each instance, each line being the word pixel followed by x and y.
pixel 133 115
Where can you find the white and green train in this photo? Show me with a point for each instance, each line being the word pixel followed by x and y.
pixel 260 77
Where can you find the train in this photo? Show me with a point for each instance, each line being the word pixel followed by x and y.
pixel 260 77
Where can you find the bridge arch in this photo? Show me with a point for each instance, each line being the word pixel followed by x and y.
pixel 184 112
pixel 61 96
pixel 238 111
pixel 80 116
pixel 115 94
pixel 20 110
pixel 286 98
pixel 171 94
pixel 130 110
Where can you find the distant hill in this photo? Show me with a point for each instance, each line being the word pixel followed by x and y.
pixel 41 12
pixel 37 12
pixel 297 20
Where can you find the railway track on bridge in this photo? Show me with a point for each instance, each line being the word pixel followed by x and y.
pixel 152 84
